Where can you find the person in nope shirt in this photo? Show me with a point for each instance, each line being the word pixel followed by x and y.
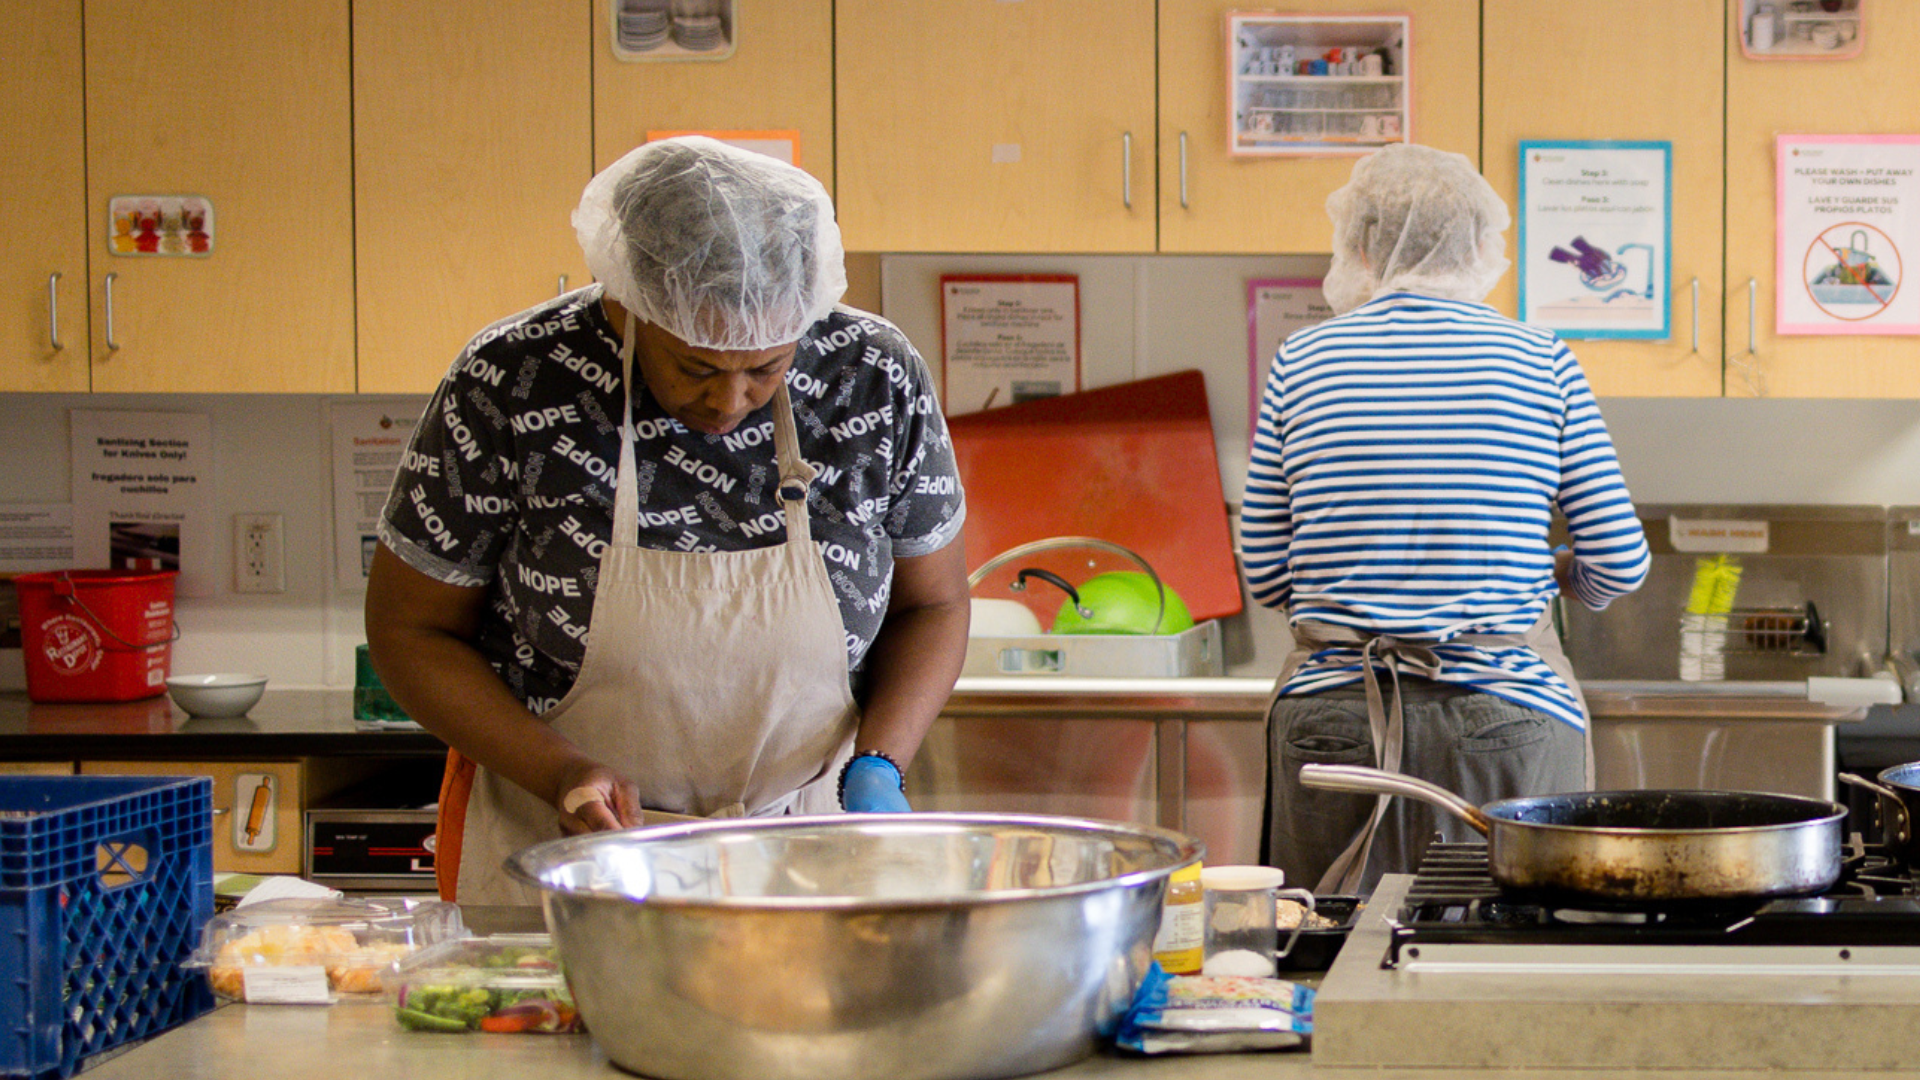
pixel 685 540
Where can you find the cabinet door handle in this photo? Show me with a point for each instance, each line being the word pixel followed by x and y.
pixel 1696 315
pixel 1183 170
pixel 1749 370
pixel 563 286
pixel 1126 169
pixel 112 345
pixel 53 310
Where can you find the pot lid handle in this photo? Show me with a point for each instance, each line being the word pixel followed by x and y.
pixel 1051 578
pixel 1054 543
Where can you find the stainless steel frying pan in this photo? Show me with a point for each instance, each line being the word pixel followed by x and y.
pixel 1636 847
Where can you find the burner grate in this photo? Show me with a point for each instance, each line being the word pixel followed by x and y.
pixel 1453 900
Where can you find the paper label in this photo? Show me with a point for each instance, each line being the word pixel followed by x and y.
pixel 1715 534
pixel 289 984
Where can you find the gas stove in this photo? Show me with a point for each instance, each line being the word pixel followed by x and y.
pixel 1447 970
pixel 1455 918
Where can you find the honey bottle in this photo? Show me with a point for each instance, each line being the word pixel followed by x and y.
pixel 1182 923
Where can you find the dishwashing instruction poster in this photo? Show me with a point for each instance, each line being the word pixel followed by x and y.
pixel 1276 307
pixel 1596 238
pixel 369 440
pixel 1849 216
pixel 1008 339
pixel 143 495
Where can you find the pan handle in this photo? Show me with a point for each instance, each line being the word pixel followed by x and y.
pixel 1366 781
pixel 1891 804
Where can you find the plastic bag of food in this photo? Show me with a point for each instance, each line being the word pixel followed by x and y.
pixel 1214 1014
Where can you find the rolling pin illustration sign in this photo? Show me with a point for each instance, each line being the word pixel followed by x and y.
pixel 254 796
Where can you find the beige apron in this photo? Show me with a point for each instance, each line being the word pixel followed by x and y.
pixel 716 681
pixel 1386 721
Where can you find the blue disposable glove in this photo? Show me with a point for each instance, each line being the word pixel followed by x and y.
pixel 873 786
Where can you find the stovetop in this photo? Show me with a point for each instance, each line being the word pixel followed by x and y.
pixel 1453 901
pixel 1547 995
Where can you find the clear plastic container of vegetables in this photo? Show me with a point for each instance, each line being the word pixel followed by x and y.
pixel 503 983
pixel 302 950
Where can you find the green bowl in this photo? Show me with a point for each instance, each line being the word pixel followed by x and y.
pixel 1122 602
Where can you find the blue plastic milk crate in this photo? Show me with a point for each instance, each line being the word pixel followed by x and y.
pixel 105 885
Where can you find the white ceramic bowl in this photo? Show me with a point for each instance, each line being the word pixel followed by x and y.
pixel 216 695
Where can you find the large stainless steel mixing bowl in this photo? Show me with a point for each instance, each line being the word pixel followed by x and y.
pixel 862 947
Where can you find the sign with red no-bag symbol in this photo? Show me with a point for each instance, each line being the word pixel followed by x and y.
pixel 1849 221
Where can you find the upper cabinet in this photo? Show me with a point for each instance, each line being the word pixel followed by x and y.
pixel 1869 94
pixel 1554 72
pixel 978 125
pixel 969 125
pixel 43 323
pixel 777 76
pixel 472 139
pixel 1214 201
pixel 245 108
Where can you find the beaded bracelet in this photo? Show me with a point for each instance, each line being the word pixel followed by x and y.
pixel 883 756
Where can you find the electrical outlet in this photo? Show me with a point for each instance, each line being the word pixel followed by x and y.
pixel 259 554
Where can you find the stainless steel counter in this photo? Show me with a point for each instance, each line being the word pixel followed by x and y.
pixel 359 1040
pixel 1190 754
pixel 351 1041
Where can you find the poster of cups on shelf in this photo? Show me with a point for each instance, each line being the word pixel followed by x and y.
pixel 1802 29
pixel 671 29
pixel 1317 84
pixel 160 225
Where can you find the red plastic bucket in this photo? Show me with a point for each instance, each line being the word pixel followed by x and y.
pixel 96 635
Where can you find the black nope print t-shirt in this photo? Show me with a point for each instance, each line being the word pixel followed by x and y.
pixel 509 481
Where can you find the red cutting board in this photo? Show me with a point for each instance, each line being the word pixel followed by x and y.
pixel 1131 464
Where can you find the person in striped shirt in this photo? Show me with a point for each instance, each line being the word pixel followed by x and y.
pixel 1410 456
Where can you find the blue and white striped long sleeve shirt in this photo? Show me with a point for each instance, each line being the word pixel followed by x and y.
pixel 1406 466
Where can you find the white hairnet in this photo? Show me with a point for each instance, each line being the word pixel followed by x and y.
pixel 722 247
pixel 1414 219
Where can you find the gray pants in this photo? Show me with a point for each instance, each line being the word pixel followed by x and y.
pixel 1476 745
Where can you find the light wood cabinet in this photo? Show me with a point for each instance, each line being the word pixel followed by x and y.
pixel 1557 71
pixel 1870 94
pixel 973 125
pixel 779 77
pixel 257 808
pixel 43 323
pixel 36 768
pixel 246 105
pixel 1213 201
pixel 472 139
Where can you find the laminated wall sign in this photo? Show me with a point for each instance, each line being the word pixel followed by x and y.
pixel 1849 218
pixel 143 487
pixel 1596 238
pixel 369 439
pixel 1276 307
pixel 1008 338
